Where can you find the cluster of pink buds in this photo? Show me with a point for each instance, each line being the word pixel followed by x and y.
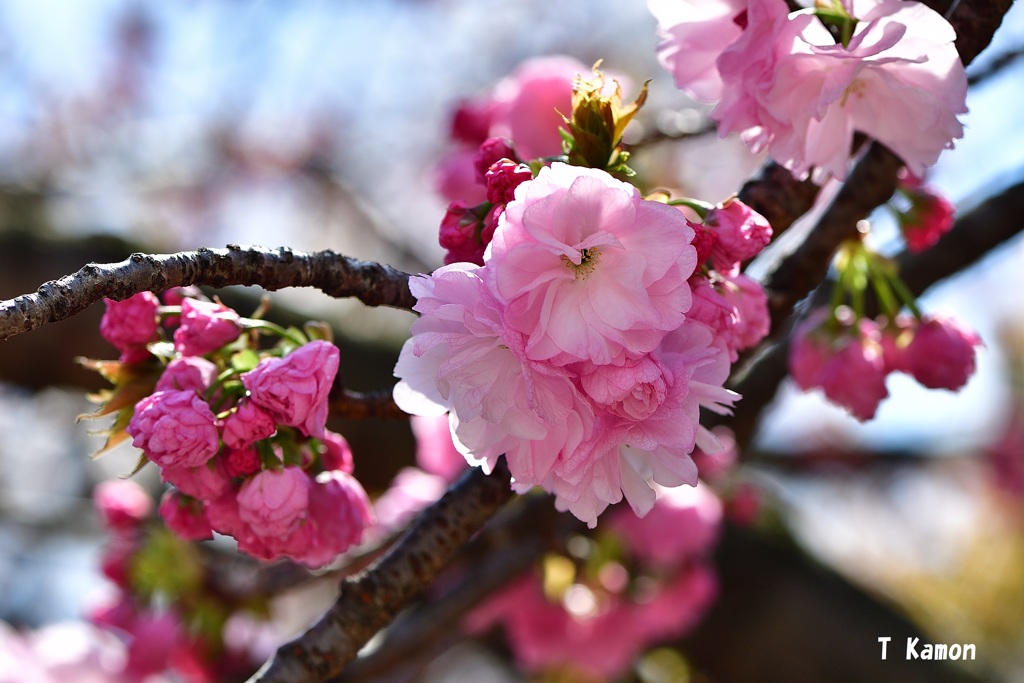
pixel 925 215
pixel 595 610
pixel 849 355
pixel 238 430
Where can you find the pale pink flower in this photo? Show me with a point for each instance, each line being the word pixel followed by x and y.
pixel 185 516
pixel 527 106
pixel 899 81
pixel 122 504
pixel 589 269
pixel 410 491
pixel 683 524
pixel 246 425
pixel 294 389
pixel 462 358
pixel 205 326
pixel 175 429
pixel 435 451
pixel 131 324
pixel 693 34
pixel 187 373
pixel 626 455
pixel 740 235
pixel 941 354
pixel 274 502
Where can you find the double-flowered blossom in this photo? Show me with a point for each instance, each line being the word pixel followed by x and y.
pixel 131 324
pixel 787 83
pixel 175 429
pixel 570 351
pixel 294 389
pixel 204 327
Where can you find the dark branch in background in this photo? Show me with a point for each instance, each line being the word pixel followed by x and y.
pixel 335 274
pixel 995 66
pixel 362 405
pixel 369 601
pixel 986 227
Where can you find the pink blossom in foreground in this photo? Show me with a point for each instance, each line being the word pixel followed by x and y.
pixel 294 389
pixel 185 516
pixel 941 354
pixel 205 482
pixel 339 512
pixel 205 326
pixel 274 502
pixel 187 373
pixel 130 324
pixel 122 503
pixel 693 34
pixel 463 358
pixel 626 454
pixel 735 307
pixel 589 269
pixel 175 429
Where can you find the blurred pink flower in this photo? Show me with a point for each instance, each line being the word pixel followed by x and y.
pixel 205 482
pixel 527 106
pixel 336 454
pixel 205 326
pixel 175 429
pixel 294 389
pixel 590 270
pixel 929 218
pixel 122 503
pixel 740 235
pixel 693 34
pixel 410 491
pixel 941 354
pixel 435 451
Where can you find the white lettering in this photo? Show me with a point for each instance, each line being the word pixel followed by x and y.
pixel 954 651
pixel 884 640
pixel 940 651
pixel 911 648
pixel 926 651
pixel 969 648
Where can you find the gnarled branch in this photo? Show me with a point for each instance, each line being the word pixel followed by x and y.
pixel 333 273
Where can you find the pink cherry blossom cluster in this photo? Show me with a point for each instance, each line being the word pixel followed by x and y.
pixel 240 433
pixel 802 84
pixel 160 591
pixel 572 350
pixel 654 583
pixel 849 358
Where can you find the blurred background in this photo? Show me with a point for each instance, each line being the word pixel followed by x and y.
pixel 132 125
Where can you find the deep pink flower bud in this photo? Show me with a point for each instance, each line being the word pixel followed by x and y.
pixel 274 502
pixel 122 504
pixel 131 324
pixel 175 429
pixel 339 511
pixel 187 373
pixel 490 152
pixel 239 462
pixel 460 234
pixel 703 242
pixel 205 327
pixel 294 389
pixel 503 177
pixel 246 425
pixel 941 354
pixel 203 482
pixel 185 516
pixel 741 233
pixel 471 121
pixel 336 455
pixel 929 218
pixel 855 375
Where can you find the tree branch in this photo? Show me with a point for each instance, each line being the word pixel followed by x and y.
pixel 362 405
pixel 335 274
pixel 369 601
